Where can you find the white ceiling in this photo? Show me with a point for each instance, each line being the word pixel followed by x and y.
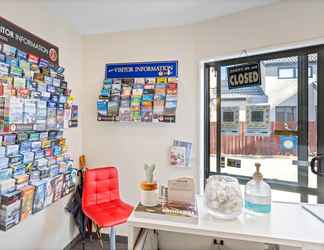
pixel 99 16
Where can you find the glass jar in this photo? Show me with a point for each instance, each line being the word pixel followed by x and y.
pixel 223 197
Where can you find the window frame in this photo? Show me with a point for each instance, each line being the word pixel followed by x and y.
pixel 301 186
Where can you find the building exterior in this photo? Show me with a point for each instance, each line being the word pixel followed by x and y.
pixel 279 87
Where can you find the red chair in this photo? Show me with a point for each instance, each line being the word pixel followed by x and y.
pixel 101 201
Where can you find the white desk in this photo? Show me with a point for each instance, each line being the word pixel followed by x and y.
pixel 288 225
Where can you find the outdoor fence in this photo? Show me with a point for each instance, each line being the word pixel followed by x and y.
pixel 260 145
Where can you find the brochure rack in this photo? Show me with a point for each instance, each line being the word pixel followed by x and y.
pixel 35 106
pixel 139 92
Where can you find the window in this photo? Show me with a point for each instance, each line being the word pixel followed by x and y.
pixel 228 116
pixel 287 73
pixel 282 137
pixel 257 116
pixel 286 113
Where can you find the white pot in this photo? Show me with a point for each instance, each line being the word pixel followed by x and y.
pixel 149 198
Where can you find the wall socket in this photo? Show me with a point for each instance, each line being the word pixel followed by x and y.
pixel 272 247
pixel 217 244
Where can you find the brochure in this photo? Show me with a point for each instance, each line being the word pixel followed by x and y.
pixel 51 118
pixel 177 156
pixel 41 114
pixel 102 107
pixel 188 150
pixel 124 114
pixel 16 110
pixel 29 111
pixel 39 196
pixel 185 214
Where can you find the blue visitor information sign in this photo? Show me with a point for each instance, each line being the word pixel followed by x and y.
pixel 142 70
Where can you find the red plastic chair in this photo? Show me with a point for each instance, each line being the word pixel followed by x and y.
pixel 101 201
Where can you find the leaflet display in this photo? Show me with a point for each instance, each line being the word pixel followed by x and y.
pixel 139 92
pixel 34 98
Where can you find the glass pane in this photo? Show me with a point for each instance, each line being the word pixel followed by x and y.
pixel 312 199
pixel 278 195
pixel 269 111
pixel 286 72
pixel 312 116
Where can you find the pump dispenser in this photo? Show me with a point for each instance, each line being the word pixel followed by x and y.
pixel 257 194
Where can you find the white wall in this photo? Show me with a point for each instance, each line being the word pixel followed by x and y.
pixel 51 228
pixel 129 146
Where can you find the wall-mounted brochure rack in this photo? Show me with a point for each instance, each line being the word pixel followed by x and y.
pixel 139 92
pixel 35 107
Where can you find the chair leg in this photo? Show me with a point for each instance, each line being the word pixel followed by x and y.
pixel 112 238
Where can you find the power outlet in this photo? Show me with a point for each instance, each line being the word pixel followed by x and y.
pixel 272 247
pixel 217 244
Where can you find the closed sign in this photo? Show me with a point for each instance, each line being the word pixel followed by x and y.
pixel 246 75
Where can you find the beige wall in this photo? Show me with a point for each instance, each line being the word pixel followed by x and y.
pixel 52 227
pixel 281 24
pixel 129 145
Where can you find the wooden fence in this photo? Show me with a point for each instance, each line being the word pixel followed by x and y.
pixel 259 145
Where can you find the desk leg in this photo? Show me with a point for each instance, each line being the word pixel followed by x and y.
pixel 132 236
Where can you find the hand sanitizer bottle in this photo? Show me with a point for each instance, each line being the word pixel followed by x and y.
pixel 257 194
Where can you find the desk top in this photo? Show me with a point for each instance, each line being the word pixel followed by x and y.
pixel 288 224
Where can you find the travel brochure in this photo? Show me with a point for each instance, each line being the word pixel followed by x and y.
pixel 143 96
pixel 180 153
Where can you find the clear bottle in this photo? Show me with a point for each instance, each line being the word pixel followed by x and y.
pixel 257 194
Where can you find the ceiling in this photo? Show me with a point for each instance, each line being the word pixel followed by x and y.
pixel 99 16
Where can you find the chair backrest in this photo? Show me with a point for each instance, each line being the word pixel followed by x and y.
pixel 100 185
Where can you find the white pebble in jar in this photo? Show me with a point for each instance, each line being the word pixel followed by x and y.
pixel 223 197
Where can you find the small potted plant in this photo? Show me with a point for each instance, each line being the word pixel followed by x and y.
pixel 149 188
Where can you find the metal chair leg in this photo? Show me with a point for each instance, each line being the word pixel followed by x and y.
pixel 112 238
pixel 98 232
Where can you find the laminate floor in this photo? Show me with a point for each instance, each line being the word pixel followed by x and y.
pixel 95 245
